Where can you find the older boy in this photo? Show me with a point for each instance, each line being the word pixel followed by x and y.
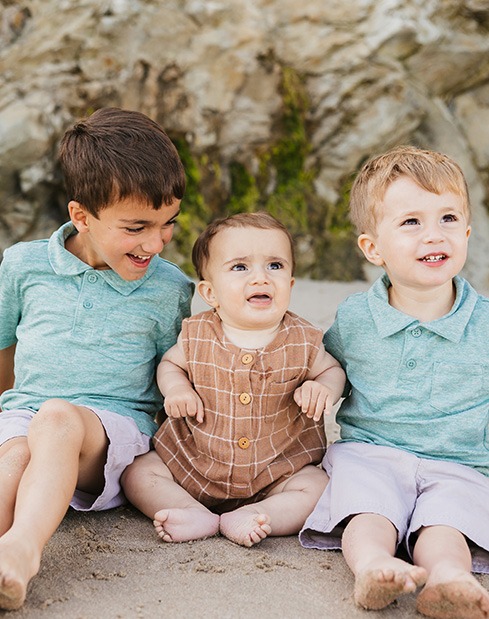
pixel 88 314
pixel 412 463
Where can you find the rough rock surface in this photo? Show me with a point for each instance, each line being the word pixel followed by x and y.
pixel 375 73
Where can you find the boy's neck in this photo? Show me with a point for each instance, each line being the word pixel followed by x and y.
pixel 250 339
pixel 425 306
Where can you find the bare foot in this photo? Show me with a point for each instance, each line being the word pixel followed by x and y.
pixel 17 566
pixel 245 526
pixel 185 524
pixel 379 585
pixel 460 598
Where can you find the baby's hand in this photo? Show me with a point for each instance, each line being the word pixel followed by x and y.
pixel 183 401
pixel 314 399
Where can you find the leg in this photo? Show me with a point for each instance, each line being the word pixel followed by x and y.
pixel 369 545
pixel 14 457
pixel 177 516
pixel 282 512
pixel 67 447
pixel 451 592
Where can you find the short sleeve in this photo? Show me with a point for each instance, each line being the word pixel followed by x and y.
pixel 10 302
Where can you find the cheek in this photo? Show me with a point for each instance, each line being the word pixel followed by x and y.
pixel 167 235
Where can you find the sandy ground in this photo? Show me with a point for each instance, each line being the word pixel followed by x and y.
pixel 111 565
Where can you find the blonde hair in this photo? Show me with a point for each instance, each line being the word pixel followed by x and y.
pixel 434 172
pixel 260 220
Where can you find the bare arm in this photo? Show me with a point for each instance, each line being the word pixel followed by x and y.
pixel 181 399
pixel 322 388
pixel 7 368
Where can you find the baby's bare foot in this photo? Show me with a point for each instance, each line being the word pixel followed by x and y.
pixel 463 598
pixel 185 524
pixel 17 566
pixel 245 526
pixel 379 585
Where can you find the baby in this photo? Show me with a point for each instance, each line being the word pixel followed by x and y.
pixel 245 390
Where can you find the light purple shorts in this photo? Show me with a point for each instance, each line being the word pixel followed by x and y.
pixel 409 491
pixel 125 443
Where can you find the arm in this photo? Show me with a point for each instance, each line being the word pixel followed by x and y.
pixel 7 368
pixel 181 399
pixel 322 388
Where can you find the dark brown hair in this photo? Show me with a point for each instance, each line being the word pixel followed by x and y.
pixel 260 220
pixel 115 154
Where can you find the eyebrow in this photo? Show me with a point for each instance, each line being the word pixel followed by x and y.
pixel 268 259
pixel 146 221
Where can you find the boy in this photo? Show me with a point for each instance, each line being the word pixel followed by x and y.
pixel 412 462
pixel 87 313
pixel 245 389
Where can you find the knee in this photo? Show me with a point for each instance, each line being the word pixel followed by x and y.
pixel 17 455
pixel 57 415
pixel 143 471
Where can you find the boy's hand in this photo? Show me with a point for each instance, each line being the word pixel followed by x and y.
pixel 183 401
pixel 314 399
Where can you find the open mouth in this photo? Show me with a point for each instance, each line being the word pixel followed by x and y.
pixel 434 258
pixel 260 298
pixel 140 261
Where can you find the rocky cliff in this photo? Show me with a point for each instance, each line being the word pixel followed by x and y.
pixel 273 104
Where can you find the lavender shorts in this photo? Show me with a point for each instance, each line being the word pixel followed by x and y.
pixel 409 491
pixel 125 443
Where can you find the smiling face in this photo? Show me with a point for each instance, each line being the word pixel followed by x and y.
pixel 248 277
pixel 124 237
pixel 421 238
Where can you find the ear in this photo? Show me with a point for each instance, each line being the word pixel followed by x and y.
pixel 469 230
pixel 206 291
pixel 369 248
pixel 292 282
pixel 78 216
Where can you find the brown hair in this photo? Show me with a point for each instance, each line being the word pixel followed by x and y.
pixel 434 172
pixel 115 154
pixel 260 220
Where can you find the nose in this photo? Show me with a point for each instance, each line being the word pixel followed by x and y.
pixel 259 275
pixel 156 241
pixel 433 233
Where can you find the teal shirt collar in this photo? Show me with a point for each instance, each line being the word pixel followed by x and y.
pixel 389 320
pixel 64 262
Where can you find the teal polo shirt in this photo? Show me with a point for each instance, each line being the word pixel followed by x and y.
pixel 418 386
pixel 87 336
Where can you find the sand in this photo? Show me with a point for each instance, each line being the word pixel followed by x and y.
pixel 111 565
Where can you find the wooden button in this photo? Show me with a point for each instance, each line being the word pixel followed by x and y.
pixel 245 398
pixel 244 442
pixel 247 358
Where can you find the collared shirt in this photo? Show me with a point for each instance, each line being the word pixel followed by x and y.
pixel 418 386
pixel 87 336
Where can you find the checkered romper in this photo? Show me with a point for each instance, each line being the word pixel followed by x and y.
pixel 253 435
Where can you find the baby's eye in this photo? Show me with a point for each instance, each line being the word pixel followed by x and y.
pixel 412 221
pixel 448 218
pixel 273 266
pixel 238 267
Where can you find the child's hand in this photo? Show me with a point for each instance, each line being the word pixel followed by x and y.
pixel 183 401
pixel 314 399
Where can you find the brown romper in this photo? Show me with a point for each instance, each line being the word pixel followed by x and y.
pixel 253 435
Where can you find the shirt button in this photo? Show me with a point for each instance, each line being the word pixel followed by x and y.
pixel 411 364
pixel 416 332
pixel 244 442
pixel 87 304
pixel 92 278
pixel 245 398
pixel 247 358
